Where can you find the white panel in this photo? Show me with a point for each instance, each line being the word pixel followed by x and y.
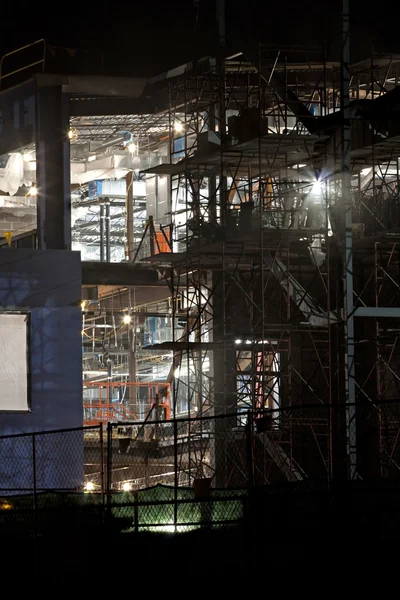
pixel 162 200
pixel 139 188
pixel 13 363
pixel 114 187
pixel 151 207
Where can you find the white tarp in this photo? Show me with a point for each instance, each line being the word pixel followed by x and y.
pixel 12 177
pixel 13 363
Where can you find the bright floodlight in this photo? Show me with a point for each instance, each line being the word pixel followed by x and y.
pixel 132 148
pixel 89 486
pixel 127 319
pixel 178 127
pixel 26 156
pixel 70 134
pixel 126 486
pixel 33 191
pixel 316 188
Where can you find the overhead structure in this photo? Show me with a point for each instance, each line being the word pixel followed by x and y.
pixel 238 219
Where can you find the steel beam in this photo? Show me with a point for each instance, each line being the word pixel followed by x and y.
pixel 349 374
pixel 377 312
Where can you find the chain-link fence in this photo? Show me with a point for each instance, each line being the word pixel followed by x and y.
pixel 227 451
pixel 180 474
pixel 43 475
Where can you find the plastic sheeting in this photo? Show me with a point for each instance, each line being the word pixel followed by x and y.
pixel 12 177
pixel 92 253
pixel 86 176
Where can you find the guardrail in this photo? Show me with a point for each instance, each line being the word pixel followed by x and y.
pixel 41 61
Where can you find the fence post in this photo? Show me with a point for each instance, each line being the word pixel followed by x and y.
pixel 109 468
pixel 176 477
pixel 35 504
pixel 136 510
pixel 102 482
pixel 249 450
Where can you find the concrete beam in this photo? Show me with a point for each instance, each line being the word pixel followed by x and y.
pixel 123 274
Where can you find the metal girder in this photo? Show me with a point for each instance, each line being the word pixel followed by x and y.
pixel 377 312
pixel 347 207
pixel 315 315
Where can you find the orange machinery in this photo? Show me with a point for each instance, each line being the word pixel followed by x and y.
pixel 161 241
pixel 103 409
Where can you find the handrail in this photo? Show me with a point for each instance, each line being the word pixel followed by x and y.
pixel 24 68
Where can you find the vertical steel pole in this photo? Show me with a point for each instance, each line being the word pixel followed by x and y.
pixel 130 250
pixel 35 505
pixel 212 180
pixel 101 232
pixel 221 23
pixel 107 228
pixel 101 441
pixel 351 446
pixel 132 363
pixel 109 467
pixel 176 477
pixel 250 450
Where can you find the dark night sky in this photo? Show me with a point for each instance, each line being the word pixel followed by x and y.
pixel 157 35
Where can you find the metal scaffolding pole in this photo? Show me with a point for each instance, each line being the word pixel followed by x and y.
pixel 348 313
pixel 107 232
pixel 102 245
pixel 129 217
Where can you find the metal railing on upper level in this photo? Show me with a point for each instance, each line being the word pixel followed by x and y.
pixel 4 74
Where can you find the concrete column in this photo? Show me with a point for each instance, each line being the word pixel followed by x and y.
pixel 53 169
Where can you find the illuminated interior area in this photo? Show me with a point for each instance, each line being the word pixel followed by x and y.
pixel 211 229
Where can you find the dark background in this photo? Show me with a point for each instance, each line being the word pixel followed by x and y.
pixel 154 35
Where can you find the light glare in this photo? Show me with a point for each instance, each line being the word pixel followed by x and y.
pixel 316 188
